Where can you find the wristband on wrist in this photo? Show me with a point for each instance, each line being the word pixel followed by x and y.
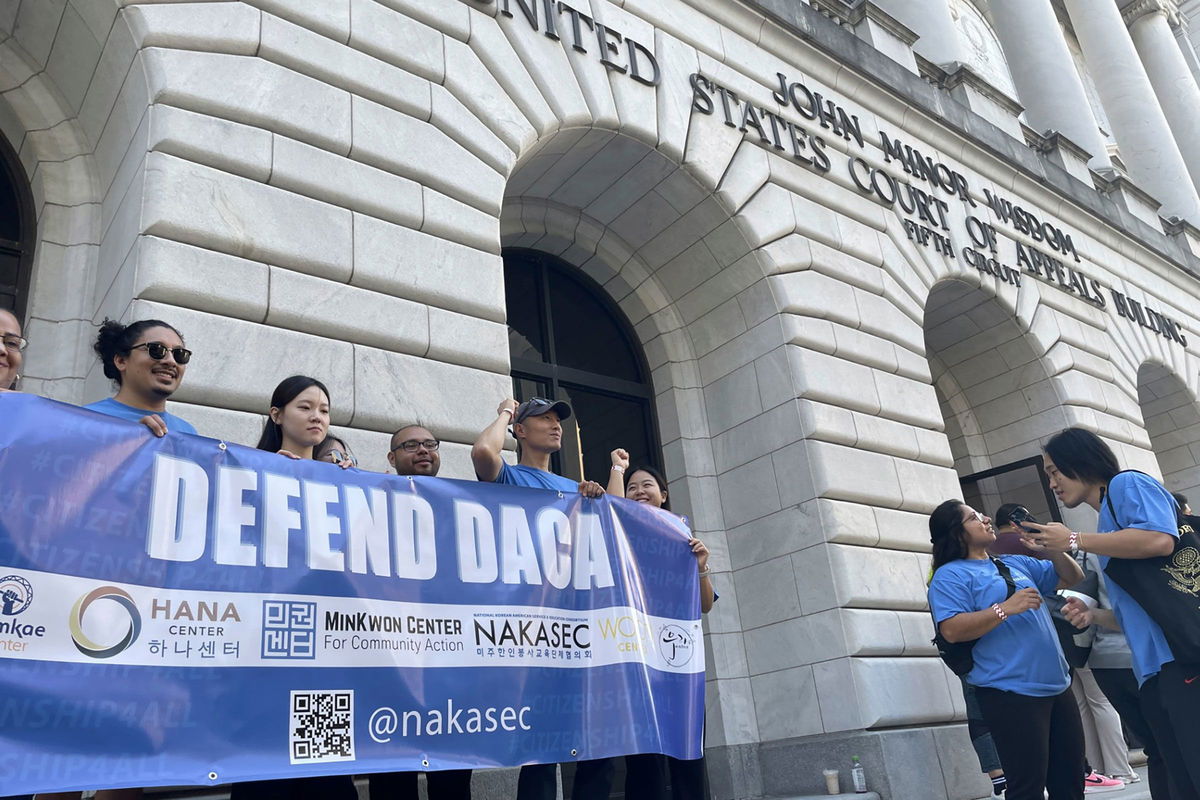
pixel 508 411
pixel 617 468
pixel 1000 612
pixel 704 572
pixel 1073 543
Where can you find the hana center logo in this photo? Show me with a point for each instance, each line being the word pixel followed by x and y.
pixel 84 643
pixel 16 594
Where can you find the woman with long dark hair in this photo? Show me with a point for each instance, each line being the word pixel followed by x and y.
pixel 299 418
pixel 297 423
pixel 647 774
pixel 1020 677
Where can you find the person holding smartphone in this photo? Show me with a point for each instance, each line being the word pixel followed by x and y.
pixel 1019 673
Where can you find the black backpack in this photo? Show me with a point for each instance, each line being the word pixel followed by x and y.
pixel 1166 587
pixel 958 655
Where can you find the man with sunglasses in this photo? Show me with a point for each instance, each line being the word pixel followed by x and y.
pixel 537 427
pixel 147 361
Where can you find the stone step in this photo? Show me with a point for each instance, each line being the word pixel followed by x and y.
pixel 842 796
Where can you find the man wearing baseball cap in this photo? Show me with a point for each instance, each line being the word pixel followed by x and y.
pixel 537 427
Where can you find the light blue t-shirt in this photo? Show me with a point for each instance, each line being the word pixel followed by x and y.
pixel 1022 654
pixel 534 478
pixel 1140 502
pixel 112 408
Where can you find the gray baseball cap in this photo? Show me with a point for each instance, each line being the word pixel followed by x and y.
pixel 536 406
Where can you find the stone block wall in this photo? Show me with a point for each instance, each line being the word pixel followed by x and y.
pixel 325 186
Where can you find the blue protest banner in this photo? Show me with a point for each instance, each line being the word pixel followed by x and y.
pixel 183 611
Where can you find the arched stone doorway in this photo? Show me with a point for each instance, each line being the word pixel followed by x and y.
pixel 997 396
pixel 1172 420
pixel 670 254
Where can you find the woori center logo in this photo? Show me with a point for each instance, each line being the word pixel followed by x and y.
pixel 84 643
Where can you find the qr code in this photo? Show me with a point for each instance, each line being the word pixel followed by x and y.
pixel 289 629
pixel 322 728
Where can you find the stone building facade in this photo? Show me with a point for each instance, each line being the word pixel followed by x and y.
pixel 871 253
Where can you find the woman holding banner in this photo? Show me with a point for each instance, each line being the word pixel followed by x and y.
pixel 646 774
pixel 297 423
pixel 298 420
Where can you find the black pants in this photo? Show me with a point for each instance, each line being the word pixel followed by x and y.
pixel 1171 705
pixel 647 776
pixel 1040 742
pixel 593 781
pixel 450 784
pixel 324 787
pixel 1121 688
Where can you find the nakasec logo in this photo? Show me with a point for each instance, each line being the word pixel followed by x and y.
pixel 16 594
pixel 84 643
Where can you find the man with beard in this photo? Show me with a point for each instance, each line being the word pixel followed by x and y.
pixel 414 451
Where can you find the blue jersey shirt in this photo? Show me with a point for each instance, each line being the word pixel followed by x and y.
pixel 112 408
pixel 534 478
pixel 1022 654
pixel 1140 502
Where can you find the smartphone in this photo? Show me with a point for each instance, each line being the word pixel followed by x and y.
pixel 1021 514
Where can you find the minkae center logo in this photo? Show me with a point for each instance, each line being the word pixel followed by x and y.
pixel 16 595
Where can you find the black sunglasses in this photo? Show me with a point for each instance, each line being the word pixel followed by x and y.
pixel 158 351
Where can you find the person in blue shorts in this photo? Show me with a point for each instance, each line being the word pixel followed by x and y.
pixel 1138 521
pixel 147 360
pixel 1020 676
pixel 537 427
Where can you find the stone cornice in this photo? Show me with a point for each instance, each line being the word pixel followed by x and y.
pixel 1051 140
pixel 1134 11
pixel 958 73
pixel 865 9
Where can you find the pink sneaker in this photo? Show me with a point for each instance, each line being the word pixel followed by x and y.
pixel 1095 783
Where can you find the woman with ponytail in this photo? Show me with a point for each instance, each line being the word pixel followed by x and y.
pixel 147 361
pixel 1019 675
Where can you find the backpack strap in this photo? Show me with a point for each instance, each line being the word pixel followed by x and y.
pixel 1006 574
pixel 1113 512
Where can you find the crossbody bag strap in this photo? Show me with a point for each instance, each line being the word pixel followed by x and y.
pixel 1005 573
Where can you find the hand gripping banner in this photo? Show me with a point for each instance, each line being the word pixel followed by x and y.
pixel 182 611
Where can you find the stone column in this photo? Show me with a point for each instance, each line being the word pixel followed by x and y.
pixel 931 21
pixel 1044 73
pixel 1186 47
pixel 1139 125
pixel 1150 24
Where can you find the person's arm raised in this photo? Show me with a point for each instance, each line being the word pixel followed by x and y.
pixel 485 453
pixel 616 476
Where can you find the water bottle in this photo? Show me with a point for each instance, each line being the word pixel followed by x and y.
pixel 857 776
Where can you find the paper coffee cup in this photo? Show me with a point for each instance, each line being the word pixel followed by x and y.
pixel 832 786
pixel 1086 599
